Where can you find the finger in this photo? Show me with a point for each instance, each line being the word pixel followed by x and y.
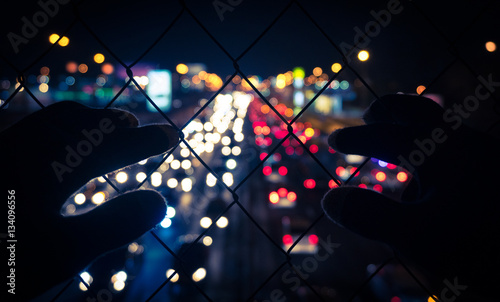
pixel 72 115
pixel 382 141
pixel 96 117
pixel 370 214
pixel 76 117
pixel 100 152
pixel 117 221
pixel 407 110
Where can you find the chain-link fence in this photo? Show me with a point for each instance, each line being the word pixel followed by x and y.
pixel 245 181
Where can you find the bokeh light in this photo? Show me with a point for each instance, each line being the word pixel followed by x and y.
pixel 490 46
pixel 99 58
pixel 363 55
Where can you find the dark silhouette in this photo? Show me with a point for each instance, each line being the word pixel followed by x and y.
pixel 47 157
pixel 447 222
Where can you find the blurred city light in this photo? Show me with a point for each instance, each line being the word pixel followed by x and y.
pixel 156 179
pixel 287 239
pixel 88 280
pixel 231 164
pixel 402 176
pixel 107 68
pixel 171 212
pixel 71 67
pixel 199 274
pixel 118 285
pixel 207 241
pixel 336 67
pixel 186 184
pixel 64 41
pixel 53 38
pixel 182 68
pixel 490 46
pixel 43 88
pixel 121 177
pixel 83 68
pixel 363 55
pixel 317 71
pixel 166 222
pixel 98 198
pixel 172 183
pixel 80 198
pixel 99 58
pixel 274 197
pixel 227 178
pixel 205 222
pixel 222 222
pixel 421 89
pixel 380 176
pixel 140 177
pixel 174 277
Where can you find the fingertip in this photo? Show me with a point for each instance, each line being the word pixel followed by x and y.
pixel 127 117
pixel 333 202
pixel 365 212
pixel 120 220
pixel 404 109
pixel 335 140
pixel 158 138
pixel 155 207
pixel 332 138
pixel 171 133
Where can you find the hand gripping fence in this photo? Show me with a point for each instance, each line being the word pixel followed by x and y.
pixel 237 190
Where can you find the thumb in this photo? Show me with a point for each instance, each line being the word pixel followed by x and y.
pixel 118 221
pixel 370 214
pixel 382 141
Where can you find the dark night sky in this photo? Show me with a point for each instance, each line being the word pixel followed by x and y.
pixel 406 53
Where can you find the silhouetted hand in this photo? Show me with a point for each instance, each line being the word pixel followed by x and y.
pixel 447 222
pixel 49 155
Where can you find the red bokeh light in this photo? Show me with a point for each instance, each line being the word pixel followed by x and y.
pixel 313 239
pixel 287 239
pixel 282 192
pixel 267 170
pixel 282 170
pixel 309 183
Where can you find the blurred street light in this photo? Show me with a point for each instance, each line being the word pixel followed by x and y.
pixel 363 55
pixel 490 46
pixel 99 58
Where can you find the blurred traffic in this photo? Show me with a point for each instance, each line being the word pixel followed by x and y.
pixel 262 146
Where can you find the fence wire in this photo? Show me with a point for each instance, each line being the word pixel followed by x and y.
pixel 236 190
